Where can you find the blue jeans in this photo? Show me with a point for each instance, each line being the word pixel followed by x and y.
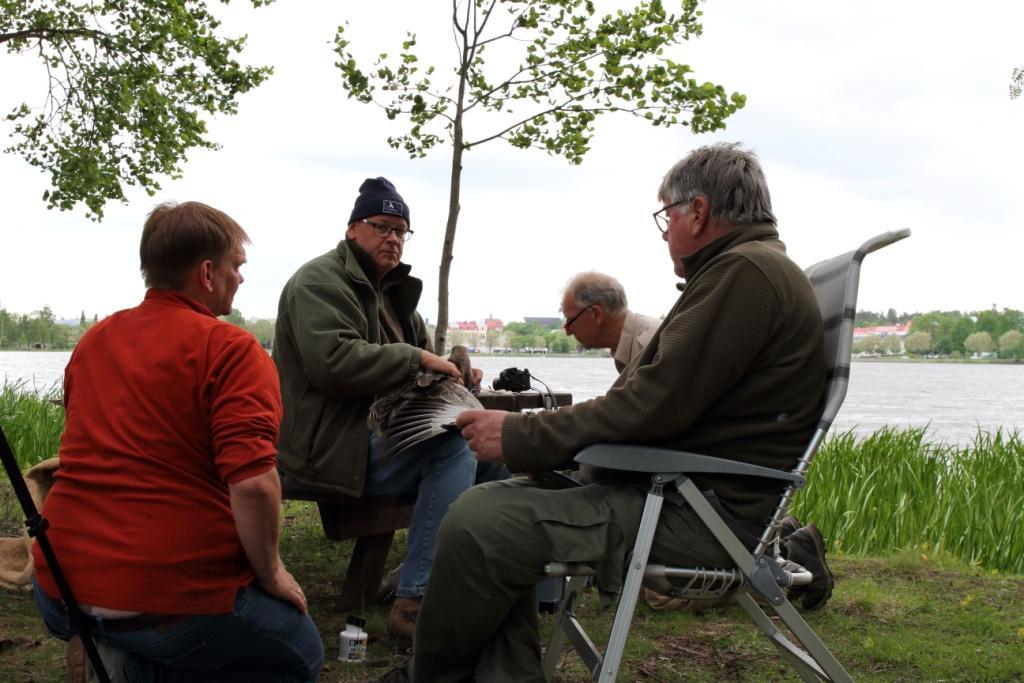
pixel 436 471
pixel 263 639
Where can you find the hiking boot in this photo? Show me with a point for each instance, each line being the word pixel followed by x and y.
pixel 389 584
pixel 788 526
pixel 75 661
pixel 402 618
pixel 806 547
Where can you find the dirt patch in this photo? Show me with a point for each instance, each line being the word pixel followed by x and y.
pixel 705 647
pixel 8 644
pixel 11 528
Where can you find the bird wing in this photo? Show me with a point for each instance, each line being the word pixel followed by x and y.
pixel 418 411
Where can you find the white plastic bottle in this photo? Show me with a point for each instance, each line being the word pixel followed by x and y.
pixel 352 641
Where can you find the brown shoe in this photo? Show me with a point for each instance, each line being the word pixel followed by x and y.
pixel 75 660
pixel 402 618
pixel 389 584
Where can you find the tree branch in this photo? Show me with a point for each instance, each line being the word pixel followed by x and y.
pixel 455 18
pixel 510 80
pixel 49 34
pixel 487 17
pixel 524 121
pixel 635 111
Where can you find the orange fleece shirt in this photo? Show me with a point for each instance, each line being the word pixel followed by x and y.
pixel 166 406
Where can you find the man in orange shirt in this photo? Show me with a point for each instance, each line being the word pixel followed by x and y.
pixel 165 511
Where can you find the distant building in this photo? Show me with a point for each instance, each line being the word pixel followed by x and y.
pixel 882 331
pixel 468 333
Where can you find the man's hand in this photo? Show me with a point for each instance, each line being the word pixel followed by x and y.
pixel 284 586
pixel 482 429
pixel 434 363
pixel 478 378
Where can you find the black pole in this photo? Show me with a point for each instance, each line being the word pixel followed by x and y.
pixel 37 525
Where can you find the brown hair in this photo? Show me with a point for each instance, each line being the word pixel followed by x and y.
pixel 178 236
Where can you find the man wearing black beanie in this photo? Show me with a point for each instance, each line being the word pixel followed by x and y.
pixel 347 330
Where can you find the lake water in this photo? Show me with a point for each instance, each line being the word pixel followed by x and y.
pixel 952 400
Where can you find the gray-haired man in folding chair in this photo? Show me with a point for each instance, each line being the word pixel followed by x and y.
pixel 736 371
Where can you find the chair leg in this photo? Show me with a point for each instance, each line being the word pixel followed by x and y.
pixel 817 663
pixel 631 590
pixel 565 623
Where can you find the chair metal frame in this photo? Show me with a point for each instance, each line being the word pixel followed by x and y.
pixel 36 526
pixel 759 573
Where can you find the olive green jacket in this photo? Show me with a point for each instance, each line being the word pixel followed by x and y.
pixel 736 371
pixel 332 359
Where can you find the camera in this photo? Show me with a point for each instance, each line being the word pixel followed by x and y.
pixel 512 379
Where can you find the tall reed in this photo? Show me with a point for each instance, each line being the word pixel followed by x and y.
pixel 893 490
pixel 31 421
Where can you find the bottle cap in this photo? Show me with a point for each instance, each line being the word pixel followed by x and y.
pixel 353 620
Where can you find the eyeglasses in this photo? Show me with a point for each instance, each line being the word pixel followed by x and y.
pixel 661 215
pixel 568 323
pixel 383 230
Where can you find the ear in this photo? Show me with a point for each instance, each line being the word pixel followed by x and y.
pixel 701 209
pixel 205 273
pixel 599 314
pixel 350 233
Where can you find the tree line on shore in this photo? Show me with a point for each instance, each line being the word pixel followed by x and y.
pixel 40 330
pixel 940 333
pixel 952 334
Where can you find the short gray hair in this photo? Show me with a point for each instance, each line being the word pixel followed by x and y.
pixel 728 176
pixel 597 288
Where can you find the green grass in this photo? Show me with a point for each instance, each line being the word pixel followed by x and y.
pixel 31 421
pixel 895 491
pixel 902 618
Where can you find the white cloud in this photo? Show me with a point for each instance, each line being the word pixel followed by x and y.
pixel 867 117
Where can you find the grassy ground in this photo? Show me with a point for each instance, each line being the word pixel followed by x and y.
pixel 908 617
pixel 895 616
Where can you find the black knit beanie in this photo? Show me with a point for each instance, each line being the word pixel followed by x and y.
pixel 377 196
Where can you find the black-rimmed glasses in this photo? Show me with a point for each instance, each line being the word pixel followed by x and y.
pixel 383 230
pixel 568 323
pixel 661 215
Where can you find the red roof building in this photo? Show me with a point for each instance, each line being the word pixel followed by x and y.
pixel 882 331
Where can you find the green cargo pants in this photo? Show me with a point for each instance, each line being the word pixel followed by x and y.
pixel 478 619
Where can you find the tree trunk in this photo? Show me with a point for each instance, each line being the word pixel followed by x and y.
pixel 441 331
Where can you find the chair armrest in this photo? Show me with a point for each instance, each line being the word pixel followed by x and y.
pixel 632 458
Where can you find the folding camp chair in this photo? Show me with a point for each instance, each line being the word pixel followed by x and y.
pixel 761 572
pixel 37 526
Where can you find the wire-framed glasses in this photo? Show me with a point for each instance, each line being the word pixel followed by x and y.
pixel 383 230
pixel 661 215
pixel 568 323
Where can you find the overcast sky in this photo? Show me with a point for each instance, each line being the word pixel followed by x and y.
pixel 867 117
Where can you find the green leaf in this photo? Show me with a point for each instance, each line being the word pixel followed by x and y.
pixel 137 77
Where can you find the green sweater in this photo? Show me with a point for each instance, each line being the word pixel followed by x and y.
pixel 333 359
pixel 736 371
